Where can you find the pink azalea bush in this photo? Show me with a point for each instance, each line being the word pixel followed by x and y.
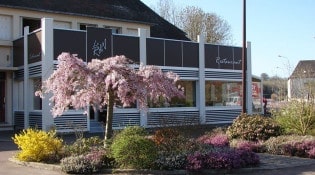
pixel 222 158
pixel 220 140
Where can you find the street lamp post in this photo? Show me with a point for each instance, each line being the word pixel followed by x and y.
pixel 288 66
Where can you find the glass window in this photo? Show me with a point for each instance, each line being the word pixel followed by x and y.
pixel 20 95
pixel 188 101
pixel 83 26
pixel 257 98
pixel 33 24
pixel 37 101
pixel 221 93
pixel 115 30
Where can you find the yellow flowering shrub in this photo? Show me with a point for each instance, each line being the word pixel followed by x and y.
pixel 38 146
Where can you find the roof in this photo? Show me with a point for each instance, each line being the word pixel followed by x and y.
pixel 122 10
pixel 304 69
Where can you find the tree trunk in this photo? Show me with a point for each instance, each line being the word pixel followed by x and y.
pixel 109 116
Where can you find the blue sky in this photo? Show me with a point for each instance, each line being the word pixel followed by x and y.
pixel 274 27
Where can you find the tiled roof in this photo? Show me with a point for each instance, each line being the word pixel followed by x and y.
pixel 124 10
pixel 304 69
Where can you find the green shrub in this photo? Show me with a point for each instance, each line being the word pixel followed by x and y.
pixel 38 146
pixel 297 117
pixel 83 145
pixel 253 128
pixel 131 149
pixel 134 152
pixel 131 131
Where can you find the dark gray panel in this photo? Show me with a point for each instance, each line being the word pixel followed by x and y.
pixel 18 52
pixel 237 58
pixel 73 42
pixel 173 53
pixel 155 52
pixel 34 47
pixel 191 54
pixel 99 43
pixel 211 54
pixel 128 46
pixel 225 58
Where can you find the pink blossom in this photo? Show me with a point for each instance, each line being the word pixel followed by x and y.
pixel 78 84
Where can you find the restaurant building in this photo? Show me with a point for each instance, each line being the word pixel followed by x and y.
pixel 33 34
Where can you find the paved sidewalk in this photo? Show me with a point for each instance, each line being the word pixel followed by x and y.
pixel 270 164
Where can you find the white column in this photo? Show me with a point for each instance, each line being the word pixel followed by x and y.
pixel 47 69
pixel 249 100
pixel 289 89
pixel 142 33
pixel 26 79
pixel 201 84
pixel 16 30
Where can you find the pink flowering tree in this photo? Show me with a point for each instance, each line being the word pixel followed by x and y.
pixel 102 83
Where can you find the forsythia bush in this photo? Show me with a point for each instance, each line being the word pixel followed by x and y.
pixel 38 146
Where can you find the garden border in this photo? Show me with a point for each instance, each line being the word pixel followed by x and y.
pixel 267 162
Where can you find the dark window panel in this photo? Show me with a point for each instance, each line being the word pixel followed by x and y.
pixel 191 54
pixel 18 52
pixel 211 54
pixel 173 53
pixel 69 41
pixel 128 46
pixel 155 52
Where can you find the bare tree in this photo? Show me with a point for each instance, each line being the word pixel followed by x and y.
pixel 168 10
pixel 217 29
pixel 194 21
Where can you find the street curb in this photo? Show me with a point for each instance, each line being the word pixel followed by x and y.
pixel 277 162
pixel 37 165
pixel 53 167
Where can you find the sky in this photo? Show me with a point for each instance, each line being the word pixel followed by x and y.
pixel 281 32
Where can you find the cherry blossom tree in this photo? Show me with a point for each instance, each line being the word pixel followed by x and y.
pixel 102 83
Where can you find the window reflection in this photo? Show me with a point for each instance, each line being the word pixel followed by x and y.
pixel 220 93
pixel 188 101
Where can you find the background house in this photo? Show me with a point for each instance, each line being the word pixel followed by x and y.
pixel 301 83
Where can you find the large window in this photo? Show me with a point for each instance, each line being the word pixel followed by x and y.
pixel 20 95
pixel 222 93
pixel 83 26
pixel 116 30
pixel 188 101
pixel 33 24
pixel 257 98
pixel 37 101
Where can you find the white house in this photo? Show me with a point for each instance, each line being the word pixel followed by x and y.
pixel 301 83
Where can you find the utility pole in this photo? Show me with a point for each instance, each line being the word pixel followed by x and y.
pixel 244 61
